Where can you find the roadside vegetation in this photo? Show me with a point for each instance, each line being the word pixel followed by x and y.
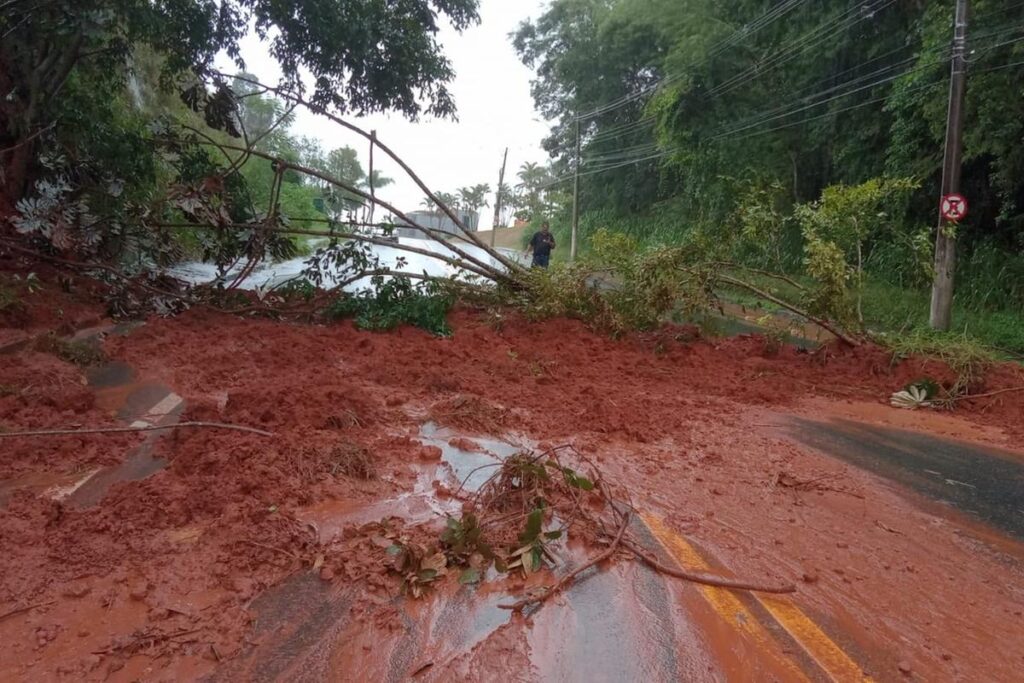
pixel 772 139
pixel 692 195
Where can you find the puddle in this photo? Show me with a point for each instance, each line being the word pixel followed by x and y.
pixel 471 468
pixel 609 625
pixel 422 503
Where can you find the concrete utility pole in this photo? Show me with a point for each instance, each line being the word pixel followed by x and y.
pixel 945 240
pixel 497 198
pixel 575 195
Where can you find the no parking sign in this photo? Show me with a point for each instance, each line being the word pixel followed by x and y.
pixel 954 207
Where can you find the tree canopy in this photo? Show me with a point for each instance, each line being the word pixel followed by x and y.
pixel 685 105
pixel 359 56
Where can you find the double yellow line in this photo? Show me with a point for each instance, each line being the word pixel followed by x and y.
pixel 832 659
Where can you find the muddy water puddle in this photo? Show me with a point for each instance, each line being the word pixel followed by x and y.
pixel 466 463
pixel 615 623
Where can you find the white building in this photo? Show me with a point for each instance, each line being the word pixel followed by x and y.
pixel 438 221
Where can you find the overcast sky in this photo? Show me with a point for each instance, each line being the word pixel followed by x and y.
pixel 492 92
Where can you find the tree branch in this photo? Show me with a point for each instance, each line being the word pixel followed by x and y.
pixel 820 322
pixel 766 273
pixel 455 263
pixel 433 234
pixel 91 266
pixel 123 430
pixel 704 579
pixel 508 263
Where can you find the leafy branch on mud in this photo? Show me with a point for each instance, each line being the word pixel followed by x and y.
pixel 513 522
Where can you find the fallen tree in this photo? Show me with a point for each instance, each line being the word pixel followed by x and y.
pixel 617 288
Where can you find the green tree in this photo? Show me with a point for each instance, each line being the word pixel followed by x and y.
pixel 681 103
pixel 366 56
pixel 474 198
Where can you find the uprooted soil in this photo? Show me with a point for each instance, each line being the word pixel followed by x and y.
pixel 158 580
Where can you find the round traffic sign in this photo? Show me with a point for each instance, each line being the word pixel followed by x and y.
pixel 954 207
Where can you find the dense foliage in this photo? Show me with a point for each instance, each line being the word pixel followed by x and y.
pixel 759 124
pixel 94 90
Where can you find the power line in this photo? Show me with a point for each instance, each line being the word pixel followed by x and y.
pixel 843 20
pixel 641 151
pixel 737 36
pixel 760 120
pixel 673 150
pixel 620 158
pixel 619 131
pixel 798 47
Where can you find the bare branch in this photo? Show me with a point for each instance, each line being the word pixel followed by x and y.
pixel 456 263
pixel 123 430
pixel 436 235
pixel 820 322
pixel 704 579
pixel 293 97
pixel 766 273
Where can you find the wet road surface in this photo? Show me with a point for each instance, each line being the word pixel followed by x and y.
pixel 623 623
pixel 986 483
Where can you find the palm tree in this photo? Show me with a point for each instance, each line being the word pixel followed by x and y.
pixel 474 198
pixel 448 199
pixel 379 180
pixel 532 175
pixel 532 180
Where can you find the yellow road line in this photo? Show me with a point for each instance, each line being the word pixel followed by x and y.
pixel 817 644
pixel 822 649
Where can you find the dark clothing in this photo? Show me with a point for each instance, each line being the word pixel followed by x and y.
pixel 542 243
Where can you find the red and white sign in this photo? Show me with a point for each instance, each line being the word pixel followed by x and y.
pixel 954 207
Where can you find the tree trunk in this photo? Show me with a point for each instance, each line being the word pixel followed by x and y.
pixel 13 175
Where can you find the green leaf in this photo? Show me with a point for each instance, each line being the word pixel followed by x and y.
pixel 533 526
pixel 470 576
pixel 394 549
pixel 583 483
pixel 536 558
pixel 552 535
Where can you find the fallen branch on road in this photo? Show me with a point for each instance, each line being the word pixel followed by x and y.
pixel 989 394
pixel 568 578
pixel 120 430
pixel 820 322
pixel 704 579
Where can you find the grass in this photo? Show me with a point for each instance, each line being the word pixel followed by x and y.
pixel 966 356
pixel 898 312
pixel 904 312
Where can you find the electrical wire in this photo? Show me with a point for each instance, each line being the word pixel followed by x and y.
pixel 621 158
pixel 790 51
pixel 796 110
pixel 758 24
pixel 798 47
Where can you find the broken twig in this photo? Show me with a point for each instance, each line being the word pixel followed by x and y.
pixel 989 394
pixel 704 579
pixel 121 430
pixel 26 608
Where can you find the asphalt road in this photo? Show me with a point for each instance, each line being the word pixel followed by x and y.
pixel 986 483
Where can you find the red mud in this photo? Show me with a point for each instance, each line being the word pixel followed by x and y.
pixel 159 577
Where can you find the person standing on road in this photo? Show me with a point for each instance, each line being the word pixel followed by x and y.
pixel 541 244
